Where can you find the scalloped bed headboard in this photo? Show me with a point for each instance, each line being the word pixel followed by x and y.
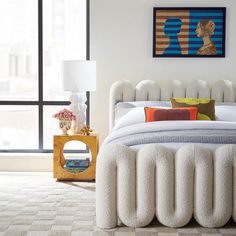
pixel 148 90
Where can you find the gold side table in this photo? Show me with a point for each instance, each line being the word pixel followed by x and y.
pixel 59 160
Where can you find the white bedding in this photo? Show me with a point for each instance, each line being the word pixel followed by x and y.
pixel 130 120
pixel 128 113
pixel 205 131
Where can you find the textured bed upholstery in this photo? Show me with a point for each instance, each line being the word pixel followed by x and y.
pixel 147 90
pixel 223 91
pixel 135 187
pixel 198 88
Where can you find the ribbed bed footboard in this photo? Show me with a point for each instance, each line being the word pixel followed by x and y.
pixel 174 187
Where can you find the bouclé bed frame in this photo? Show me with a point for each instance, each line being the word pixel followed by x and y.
pixel 135 186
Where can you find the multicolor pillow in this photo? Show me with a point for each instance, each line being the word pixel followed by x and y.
pixel 206 107
pixel 159 114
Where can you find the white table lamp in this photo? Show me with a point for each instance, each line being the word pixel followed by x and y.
pixel 79 77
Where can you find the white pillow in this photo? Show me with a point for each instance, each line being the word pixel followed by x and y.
pixel 122 108
pixel 143 104
pixel 129 113
pixel 128 116
pixel 131 116
pixel 225 112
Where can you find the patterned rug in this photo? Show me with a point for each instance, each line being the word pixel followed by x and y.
pixel 34 204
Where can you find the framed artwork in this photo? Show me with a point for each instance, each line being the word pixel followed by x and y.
pixel 189 32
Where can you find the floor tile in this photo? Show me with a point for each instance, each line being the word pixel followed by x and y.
pixel 15 233
pixel 40 227
pixel 42 222
pixel 18 227
pixel 37 233
pixel 207 230
pixel 61 227
pixel 101 233
pixel 124 233
pixel 4 227
pixel 167 234
pixel 211 234
pixel 187 230
pixel 228 230
pixel 59 233
pixel 79 233
pixel 191 234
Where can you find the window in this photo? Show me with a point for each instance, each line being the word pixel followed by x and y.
pixel 35 36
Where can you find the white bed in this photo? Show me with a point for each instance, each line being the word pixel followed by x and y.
pixel 170 169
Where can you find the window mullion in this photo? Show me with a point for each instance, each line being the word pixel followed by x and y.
pixel 88 55
pixel 40 72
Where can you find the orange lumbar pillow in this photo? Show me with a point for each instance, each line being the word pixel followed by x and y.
pixel 159 114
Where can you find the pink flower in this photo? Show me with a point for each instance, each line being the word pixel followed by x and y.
pixel 64 115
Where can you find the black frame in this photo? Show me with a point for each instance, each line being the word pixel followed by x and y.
pixel 40 103
pixel 223 9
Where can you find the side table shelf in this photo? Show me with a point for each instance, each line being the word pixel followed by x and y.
pixel 59 160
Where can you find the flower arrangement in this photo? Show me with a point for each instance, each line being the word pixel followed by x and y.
pixel 64 115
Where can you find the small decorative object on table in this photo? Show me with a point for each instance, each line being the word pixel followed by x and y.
pixel 76 166
pixel 65 118
pixel 86 130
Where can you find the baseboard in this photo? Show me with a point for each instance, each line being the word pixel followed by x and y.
pixel 26 162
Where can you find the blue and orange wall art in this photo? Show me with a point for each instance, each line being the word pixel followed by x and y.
pixel 189 32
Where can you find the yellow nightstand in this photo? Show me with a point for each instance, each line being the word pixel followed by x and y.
pixel 59 160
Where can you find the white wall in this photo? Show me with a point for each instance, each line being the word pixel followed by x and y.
pixel 24 162
pixel 121 43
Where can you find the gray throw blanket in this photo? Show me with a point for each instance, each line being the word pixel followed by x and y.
pixel 131 136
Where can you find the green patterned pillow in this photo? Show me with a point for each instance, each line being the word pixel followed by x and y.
pixel 206 107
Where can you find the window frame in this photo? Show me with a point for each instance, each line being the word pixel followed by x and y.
pixel 40 103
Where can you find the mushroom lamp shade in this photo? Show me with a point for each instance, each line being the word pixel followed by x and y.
pixel 78 77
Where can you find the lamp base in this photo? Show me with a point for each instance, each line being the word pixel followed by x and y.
pixel 78 107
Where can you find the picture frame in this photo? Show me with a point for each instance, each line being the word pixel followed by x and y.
pixel 189 31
